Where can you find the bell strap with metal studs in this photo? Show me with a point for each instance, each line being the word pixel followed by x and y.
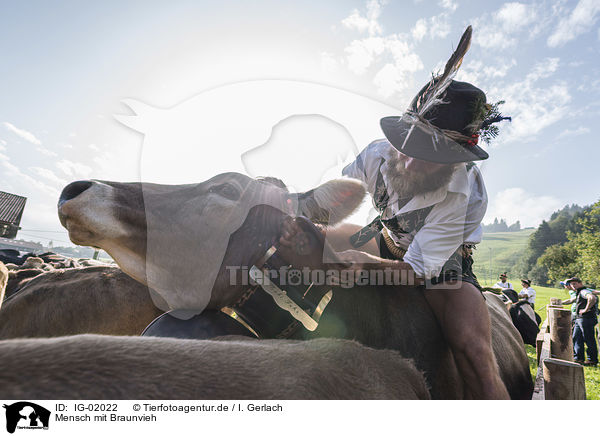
pixel 276 308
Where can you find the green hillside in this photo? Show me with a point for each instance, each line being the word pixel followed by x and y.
pixel 498 252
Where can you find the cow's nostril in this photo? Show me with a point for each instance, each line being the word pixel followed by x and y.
pixel 72 190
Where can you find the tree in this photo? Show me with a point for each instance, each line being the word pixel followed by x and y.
pixel 561 261
pixel 588 244
pixel 539 275
pixel 515 227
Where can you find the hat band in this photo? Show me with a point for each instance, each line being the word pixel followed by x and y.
pixel 414 118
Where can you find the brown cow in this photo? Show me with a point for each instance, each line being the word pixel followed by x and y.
pixel 90 367
pixel 18 277
pixel 98 299
pixel 164 235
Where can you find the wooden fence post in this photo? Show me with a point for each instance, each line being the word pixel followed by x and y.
pixel 563 380
pixel 561 341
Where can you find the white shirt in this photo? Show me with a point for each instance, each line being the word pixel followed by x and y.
pixel 530 293
pixel 455 218
pixel 505 285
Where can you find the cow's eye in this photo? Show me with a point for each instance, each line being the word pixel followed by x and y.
pixel 225 190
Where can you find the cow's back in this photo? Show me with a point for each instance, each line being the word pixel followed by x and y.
pixel 125 368
pixel 385 317
pixel 101 300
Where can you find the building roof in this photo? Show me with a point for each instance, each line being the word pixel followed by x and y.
pixel 11 208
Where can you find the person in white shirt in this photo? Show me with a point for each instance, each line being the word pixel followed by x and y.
pixel 527 293
pixel 507 289
pixel 503 283
pixel 431 199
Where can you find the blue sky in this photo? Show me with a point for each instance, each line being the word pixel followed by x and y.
pixel 67 66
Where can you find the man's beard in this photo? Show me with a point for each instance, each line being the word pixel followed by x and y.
pixel 407 184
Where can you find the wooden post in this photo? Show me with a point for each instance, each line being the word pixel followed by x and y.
pixel 539 340
pixel 563 380
pixel 561 341
pixel 543 354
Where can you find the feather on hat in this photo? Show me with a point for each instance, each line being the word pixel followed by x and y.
pixel 442 122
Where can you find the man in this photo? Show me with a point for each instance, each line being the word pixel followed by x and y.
pixel 572 297
pixel 586 318
pixel 431 199
pixel 503 283
pixel 507 288
pixel 527 293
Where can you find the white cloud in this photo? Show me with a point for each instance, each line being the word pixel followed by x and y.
pixel 501 29
pixel 94 147
pixel 533 103
pixel 517 204
pixel 437 26
pixel 27 136
pixel 420 30
pixel 46 152
pixel 581 130
pixel 49 175
pixel 581 20
pixel 392 76
pixel 544 69
pixel 361 53
pixel 478 73
pixel 74 169
pixel 368 23
pixel 389 80
pixel 449 4
pixel 27 185
pixel 391 58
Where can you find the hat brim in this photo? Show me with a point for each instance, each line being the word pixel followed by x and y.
pixel 422 141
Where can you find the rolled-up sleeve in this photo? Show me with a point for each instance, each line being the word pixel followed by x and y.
pixel 478 201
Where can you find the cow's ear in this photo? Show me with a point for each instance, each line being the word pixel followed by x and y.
pixel 332 202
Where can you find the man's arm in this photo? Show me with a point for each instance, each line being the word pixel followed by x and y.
pixel 359 260
pixel 591 300
pixel 569 301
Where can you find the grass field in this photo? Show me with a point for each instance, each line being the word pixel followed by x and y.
pixel 498 252
pixel 543 295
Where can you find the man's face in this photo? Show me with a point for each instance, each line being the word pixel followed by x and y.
pixel 503 278
pixel 409 176
pixel 575 285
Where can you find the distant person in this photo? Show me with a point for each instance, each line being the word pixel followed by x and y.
pixel 527 293
pixel 586 318
pixel 507 288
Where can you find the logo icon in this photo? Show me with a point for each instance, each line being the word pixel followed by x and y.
pixel 26 415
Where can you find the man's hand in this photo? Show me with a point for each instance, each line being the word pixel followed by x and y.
pixel 359 260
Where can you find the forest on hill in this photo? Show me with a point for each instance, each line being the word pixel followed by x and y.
pixel 566 245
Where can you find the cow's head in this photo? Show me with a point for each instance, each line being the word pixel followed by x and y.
pixel 179 240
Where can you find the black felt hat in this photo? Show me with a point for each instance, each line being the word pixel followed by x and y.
pixel 443 121
pixel 447 133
